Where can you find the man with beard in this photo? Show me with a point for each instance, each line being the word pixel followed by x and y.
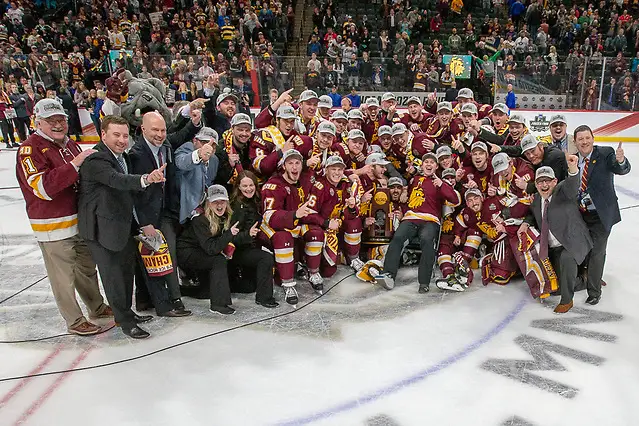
pixel 226 107
pixel 479 173
pixel 559 138
pixel 324 107
pixel 427 196
pixel 340 120
pixel 285 206
pixel 352 152
pixel 307 119
pixel 233 151
pixel 372 119
pixel 464 96
pixel 269 144
pixel 389 114
pixel 337 215
pixel 415 118
pixel 538 154
pixel 385 142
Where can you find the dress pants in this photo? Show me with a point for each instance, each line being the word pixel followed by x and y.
pixel 116 271
pixel 597 259
pixel 428 233
pixel 565 267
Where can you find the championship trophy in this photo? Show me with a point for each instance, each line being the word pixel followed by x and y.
pixel 380 209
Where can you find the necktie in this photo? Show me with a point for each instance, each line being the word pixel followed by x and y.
pixel 584 177
pixel 160 158
pixel 122 164
pixel 543 244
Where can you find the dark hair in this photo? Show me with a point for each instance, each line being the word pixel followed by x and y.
pixel 237 196
pixel 112 119
pixel 582 128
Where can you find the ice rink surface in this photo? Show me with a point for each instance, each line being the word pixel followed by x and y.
pixel 359 355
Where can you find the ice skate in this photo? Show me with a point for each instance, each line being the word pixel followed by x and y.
pixel 450 283
pixel 301 272
pixel 317 282
pixel 385 280
pixel 291 296
pixel 463 272
pixel 357 264
pixel 369 271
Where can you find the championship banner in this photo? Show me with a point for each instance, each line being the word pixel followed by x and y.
pixel 460 65
pixel 402 97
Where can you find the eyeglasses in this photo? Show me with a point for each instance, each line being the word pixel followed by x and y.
pixel 55 120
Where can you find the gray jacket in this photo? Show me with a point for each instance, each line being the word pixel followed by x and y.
pixel 564 219
pixel 193 178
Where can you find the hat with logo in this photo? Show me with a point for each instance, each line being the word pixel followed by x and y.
pixel 449 172
pixel 470 108
pixel 291 153
pixel 334 160
pixel 465 93
pixel 339 114
pixel 413 100
pixel 226 94
pixel 385 130
pixel 500 107
pixel 557 118
pixel 308 95
pixel 372 102
pixel 443 151
pixel 388 96
pixel 399 129
pixel 517 118
pixel 500 162
pixel 376 159
pixel 325 101
pixel 356 134
pixel 545 172
pixel 444 105
pixel 216 193
pixel 46 108
pixel 528 142
pixel 429 155
pixel 395 181
pixel 473 191
pixel 207 134
pixel 241 118
pixel 326 127
pixel 285 112
pixel 479 145
pixel 355 114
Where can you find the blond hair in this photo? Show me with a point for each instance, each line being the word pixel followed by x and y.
pixel 215 222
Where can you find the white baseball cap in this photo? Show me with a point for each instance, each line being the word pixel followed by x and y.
pixel 285 112
pixel 469 108
pixel 465 93
pixel 355 114
pixel 46 108
pixel 325 101
pixel 307 95
pixel 558 118
pixel 240 118
pixel 372 102
pixel 395 181
pixel 479 145
pixel 399 129
pixel 385 130
pixel 291 153
pixel 207 134
pixel 388 96
pixel 517 118
pixel 444 105
pixel 356 134
pixel 339 114
pixel 528 142
pixel 326 127
pixel 334 160
pixel 500 162
pixel 376 158
pixel 500 107
pixel 545 172
pixel 413 100
pixel 216 193
pixel 226 94
pixel 443 151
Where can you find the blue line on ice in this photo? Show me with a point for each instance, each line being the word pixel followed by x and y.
pixel 417 377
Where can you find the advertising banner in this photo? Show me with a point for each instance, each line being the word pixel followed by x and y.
pixel 460 65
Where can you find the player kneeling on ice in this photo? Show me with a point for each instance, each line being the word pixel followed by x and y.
pixel 337 215
pixel 285 212
pixel 209 242
pixel 427 194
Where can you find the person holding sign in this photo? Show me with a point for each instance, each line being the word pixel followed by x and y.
pixel 598 200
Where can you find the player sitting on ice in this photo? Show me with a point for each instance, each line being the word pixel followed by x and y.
pixel 337 215
pixel 285 208
pixel 427 194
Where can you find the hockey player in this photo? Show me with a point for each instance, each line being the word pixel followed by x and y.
pixel 446 159
pixel 516 130
pixel 427 196
pixel 340 120
pixel 285 207
pixel 464 96
pixel 355 119
pixel 324 107
pixel 337 215
pixel 269 144
pixel 415 118
pixel 233 151
pixel 321 150
pixel 479 173
pixel 306 116
pixel 510 181
pixel 372 120
pixel 352 152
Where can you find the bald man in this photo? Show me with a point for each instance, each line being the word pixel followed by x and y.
pixel 158 209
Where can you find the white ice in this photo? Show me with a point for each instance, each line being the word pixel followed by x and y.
pixel 357 356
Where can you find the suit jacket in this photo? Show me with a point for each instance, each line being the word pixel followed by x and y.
pixel 564 218
pixel 158 199
pixel 105 202
pixel 193 178
pixel 601 184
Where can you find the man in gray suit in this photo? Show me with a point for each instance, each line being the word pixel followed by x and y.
pixel 564 235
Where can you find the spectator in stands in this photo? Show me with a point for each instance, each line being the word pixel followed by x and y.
pixel 511 99
pixel 354 98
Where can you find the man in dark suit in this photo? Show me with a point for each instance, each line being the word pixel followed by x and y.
pixel 598 200
pixel 565 239
pixel 105 219
pixel 158 208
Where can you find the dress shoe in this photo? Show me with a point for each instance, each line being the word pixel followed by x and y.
pixel 136 332
pixel 177 304
pixel 176 313
pixel 85 328
pixel 268 303
pixel 593 300
pixel 563 308
pixel 107 313
pixel 143 306
pixel 142 318
pixel 423 289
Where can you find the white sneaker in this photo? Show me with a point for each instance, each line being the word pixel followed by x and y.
pixel 317 282
pixel 357 264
